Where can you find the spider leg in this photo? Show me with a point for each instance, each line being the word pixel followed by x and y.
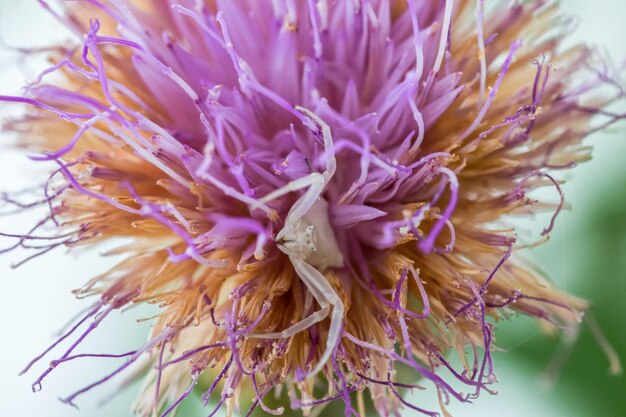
pixel 315 181
pixel 306 201
pixel 308 321
pixel 329 146
pixel 319 286
pixel 295 185
pixel 303 324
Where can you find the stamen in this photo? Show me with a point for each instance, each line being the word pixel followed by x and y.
pixel 445 30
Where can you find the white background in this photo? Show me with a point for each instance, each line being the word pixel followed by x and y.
pixel 35 299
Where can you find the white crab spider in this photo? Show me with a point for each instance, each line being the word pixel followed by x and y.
pixel 309 241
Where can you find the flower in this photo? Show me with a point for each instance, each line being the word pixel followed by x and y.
pixel 310 190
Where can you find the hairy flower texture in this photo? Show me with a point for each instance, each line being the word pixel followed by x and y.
pixel 310 190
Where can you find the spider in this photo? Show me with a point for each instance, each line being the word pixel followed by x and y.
pixel 307 238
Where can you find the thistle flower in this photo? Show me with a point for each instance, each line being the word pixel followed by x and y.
pixel 309 190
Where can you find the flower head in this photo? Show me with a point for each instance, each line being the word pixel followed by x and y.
pixel 310 190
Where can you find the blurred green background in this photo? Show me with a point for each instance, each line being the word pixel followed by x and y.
pixel 586 256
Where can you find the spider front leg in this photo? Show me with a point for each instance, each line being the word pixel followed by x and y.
pixel 316 183
pixel 304 203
